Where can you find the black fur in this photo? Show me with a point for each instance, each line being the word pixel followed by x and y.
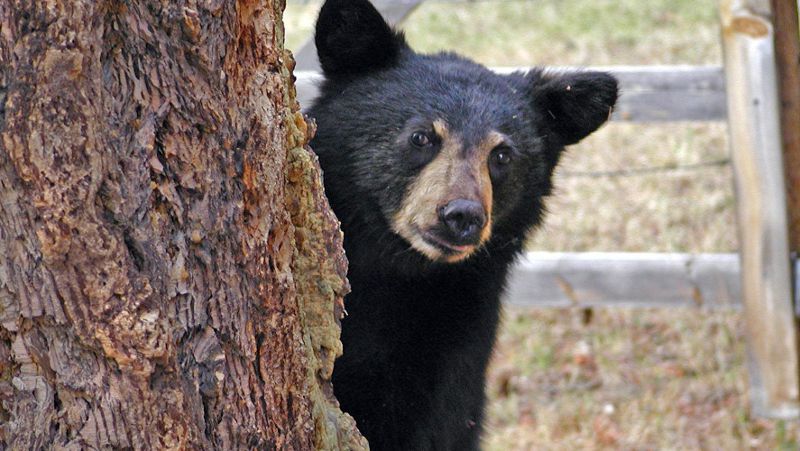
pixel 419 333
pixel 375 45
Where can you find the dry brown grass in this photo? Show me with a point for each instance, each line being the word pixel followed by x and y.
pixel 673 211
pixel 629 379
pixel 633 379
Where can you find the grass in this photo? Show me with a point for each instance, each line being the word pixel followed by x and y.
pixel 628 379
pixel 569 32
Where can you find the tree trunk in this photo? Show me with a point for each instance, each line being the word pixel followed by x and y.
pixel 171 275
pixel 787 62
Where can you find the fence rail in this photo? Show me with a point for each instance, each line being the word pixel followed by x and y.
pixel 648 93
pixel 605 279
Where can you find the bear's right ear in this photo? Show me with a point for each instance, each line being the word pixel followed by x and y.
pixel 353 38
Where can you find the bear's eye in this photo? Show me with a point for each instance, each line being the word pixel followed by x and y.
pixel 499 161
pixel 502 158
pixel 421 139
pixel 423 146
pixel 501 155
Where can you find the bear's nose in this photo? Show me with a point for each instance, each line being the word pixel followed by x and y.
pixel 464 219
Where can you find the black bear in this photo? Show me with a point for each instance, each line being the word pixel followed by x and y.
pixel 437 169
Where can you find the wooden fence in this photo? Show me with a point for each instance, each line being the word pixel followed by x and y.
pixel 762 107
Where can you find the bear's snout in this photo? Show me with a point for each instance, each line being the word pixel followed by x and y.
pixel 463 221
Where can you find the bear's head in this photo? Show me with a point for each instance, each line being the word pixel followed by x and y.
pixel 436 149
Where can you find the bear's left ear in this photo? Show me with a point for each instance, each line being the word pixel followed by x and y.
pixel 352 38
pixel 573 104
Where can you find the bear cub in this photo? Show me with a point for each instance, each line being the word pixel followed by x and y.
pixel 437 169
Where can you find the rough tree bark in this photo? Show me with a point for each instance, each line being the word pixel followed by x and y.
pixel 787 55
pixel 171 275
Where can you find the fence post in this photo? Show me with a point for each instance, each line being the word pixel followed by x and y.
pixel 754 124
